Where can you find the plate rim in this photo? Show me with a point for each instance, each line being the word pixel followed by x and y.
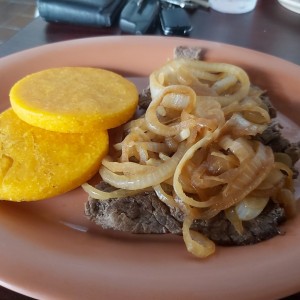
pixel 108 39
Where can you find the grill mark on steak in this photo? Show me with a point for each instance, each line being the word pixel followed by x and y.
pixel 145 213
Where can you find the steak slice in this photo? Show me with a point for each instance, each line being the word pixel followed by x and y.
pixel 195 53
pixel 265 226
pixel 145 98
pixel 273 138
pixel 145 213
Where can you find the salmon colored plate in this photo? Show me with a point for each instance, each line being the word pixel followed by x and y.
pixel 48 250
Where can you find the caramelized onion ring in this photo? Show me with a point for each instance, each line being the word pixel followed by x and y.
pixel 151 119
pixel 159 79
pixel 150 178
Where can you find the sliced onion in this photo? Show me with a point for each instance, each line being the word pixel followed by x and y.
pixel 209 109
pixel 187 156
pixel 225 83
pixel 250 109
pixel 272 180
pixel 171 143
pixel 154 147
pixel 130 167
pixel 218 162
pixel 204 182
pixel 240 147
pixel 249 176
pixel 237 125
pixel 194 66
pixel 151 178
pixel 163 156
pixel 164 197
pixel 196 243
pixel 289 178
pixel 161 111
pixel 101 195
pixel 183 135
pixel 234 219
pixel 184 76
pixel 187 76
pixel 179 102
pixel 283 158
pixel 286 198
pixel 136 123
pixel 250 207
pixel 177 92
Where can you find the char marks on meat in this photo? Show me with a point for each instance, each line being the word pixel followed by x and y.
pixel 145 213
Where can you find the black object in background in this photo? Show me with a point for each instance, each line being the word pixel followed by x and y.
pixel 175 21
pixel 96 13
pixel 138 16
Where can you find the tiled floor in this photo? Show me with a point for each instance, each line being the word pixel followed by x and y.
pixel 14 15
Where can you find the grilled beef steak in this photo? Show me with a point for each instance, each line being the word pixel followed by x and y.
pixel 145 213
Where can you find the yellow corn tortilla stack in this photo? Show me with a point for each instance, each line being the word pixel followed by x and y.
pixel 74 99
pixel 36 163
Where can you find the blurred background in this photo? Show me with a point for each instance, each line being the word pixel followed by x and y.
pixel 14 15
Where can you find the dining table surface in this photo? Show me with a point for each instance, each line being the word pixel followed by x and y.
pixel 269 28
